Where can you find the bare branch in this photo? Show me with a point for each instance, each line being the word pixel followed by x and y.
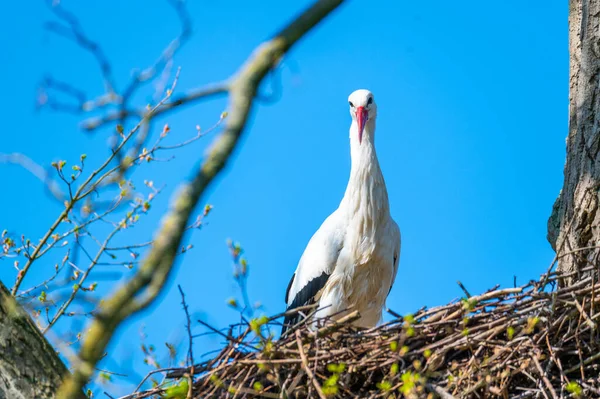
pixel 73 31
pixel 203 93
pixel 306 367
pixel 167 55
pixel 188 327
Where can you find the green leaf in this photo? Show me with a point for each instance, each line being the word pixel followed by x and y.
pixel 336 368
pixel 105 377
pixel 232 302
pixel 510 332
pixel 531 323
pixel 384 385
pixel 468 304
pixel 332 381
pixel 574 388
pixel 178 391
pixel 256 324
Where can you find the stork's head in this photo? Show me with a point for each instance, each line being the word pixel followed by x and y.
pixel 362 109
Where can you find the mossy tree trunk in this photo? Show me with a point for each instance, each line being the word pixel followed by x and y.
pixel 573 227
pixel 29 365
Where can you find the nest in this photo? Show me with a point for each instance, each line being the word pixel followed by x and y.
pixel 531 341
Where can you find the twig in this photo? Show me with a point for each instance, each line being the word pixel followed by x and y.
pixel 307 369
pixel 74 32
pixel 583 313
pixel 440 391
pixel 203 93
pixel 189 329
pixel 544 377
pixel 587 361
pixel 462 287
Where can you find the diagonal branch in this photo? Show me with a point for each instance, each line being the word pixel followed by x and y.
pixel 148 282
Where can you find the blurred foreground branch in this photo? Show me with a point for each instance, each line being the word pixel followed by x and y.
pixel 148 282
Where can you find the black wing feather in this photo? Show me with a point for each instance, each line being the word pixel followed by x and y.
pixel 395 260
pixel 305 296
pixel 287 292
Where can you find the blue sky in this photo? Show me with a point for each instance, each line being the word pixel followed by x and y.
pixel 473 107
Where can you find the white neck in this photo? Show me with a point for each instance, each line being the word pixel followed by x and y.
pixel 366 192
pixel 365 150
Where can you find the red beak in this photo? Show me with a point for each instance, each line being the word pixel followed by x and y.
pixel 362 115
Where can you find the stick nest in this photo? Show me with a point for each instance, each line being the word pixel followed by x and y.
pixel 524 342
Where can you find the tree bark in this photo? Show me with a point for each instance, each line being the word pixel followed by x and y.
pixel 29 365
pixel 573 227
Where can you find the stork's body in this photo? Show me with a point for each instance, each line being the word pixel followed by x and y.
pixel 350 263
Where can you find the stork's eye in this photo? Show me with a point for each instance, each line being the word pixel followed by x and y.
pixel 370 101
pixel 350 102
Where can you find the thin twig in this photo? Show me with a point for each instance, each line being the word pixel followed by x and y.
pixel 188 326
pixel 462 287
pixel 307 369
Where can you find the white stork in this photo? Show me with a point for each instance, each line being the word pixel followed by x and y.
pixel 350 263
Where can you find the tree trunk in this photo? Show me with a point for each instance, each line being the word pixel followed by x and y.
pixel 573 227
pixel 29 366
